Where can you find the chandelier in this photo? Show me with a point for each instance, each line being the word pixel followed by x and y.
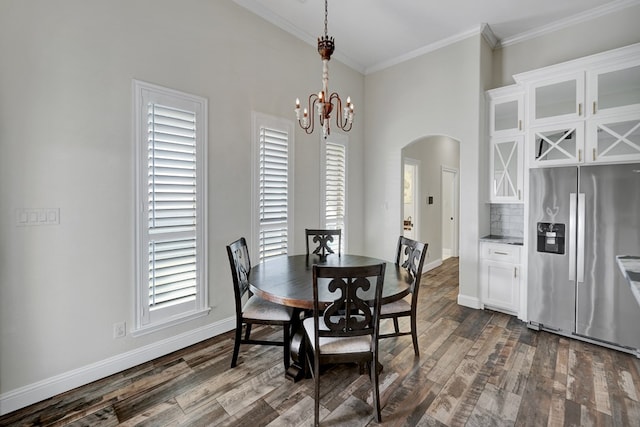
pixel 322 103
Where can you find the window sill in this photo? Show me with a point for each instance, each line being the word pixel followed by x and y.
pixel 173 321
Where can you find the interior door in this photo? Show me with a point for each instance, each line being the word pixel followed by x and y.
pixel 449 213
pixel 411 198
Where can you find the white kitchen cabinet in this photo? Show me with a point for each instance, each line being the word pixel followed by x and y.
pixel 500 276
pixel 507 164
pixel 556 99
pixel 506 125
pixel 613 138
pixel 614 89
pixel 506 111
pixel 554 145
pixel 584 111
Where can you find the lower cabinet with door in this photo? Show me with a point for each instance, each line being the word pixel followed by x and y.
pixel 500 276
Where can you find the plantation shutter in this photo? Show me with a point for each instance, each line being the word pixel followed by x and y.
pixel 335 187
pixel 171 206
pixel 273 193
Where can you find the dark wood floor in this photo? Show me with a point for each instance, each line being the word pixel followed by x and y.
pixel 477 368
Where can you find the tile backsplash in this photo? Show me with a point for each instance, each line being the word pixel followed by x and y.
pixel 507 220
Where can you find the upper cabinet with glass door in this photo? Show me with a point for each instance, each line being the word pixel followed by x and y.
pixel 506 127
pixel 557 99
pixel 507 169
pixel 506 111
pixel 615 88
pixel 613 127
pixel 584 111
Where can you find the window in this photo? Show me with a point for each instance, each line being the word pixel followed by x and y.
pixel 171 135
pixel 334 183
pixel 273 186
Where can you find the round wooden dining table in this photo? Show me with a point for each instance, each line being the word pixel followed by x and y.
pixel 288 280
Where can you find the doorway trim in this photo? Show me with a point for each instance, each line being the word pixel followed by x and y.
pixel 416 195
pixel 456 203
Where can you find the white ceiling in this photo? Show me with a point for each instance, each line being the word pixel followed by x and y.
pixel 374 34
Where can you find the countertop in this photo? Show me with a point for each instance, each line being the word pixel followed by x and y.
pixel 502 239
pixel 630 268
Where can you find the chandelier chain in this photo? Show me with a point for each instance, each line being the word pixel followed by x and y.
pixel 325 17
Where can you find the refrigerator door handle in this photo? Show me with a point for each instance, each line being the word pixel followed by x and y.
pixel 580 238
pixel 572 235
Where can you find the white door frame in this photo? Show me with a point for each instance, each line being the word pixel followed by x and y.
pixel 456 203
pixel 416 196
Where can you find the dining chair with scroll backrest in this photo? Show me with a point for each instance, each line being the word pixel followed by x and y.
pixel 345 330
pixel 254 310
pixel 322 238
pixel 410 255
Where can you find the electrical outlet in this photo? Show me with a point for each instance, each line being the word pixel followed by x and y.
pixel 119 329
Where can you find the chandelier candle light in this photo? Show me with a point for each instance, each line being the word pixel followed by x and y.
pixel 320 102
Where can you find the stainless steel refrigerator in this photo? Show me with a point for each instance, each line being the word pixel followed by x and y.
pixel 580 219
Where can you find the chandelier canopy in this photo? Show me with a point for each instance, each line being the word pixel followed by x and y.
pixel 323 103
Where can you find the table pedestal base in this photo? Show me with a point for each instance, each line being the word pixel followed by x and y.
pixel 297 369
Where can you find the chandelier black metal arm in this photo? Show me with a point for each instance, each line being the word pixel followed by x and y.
pixel 316 105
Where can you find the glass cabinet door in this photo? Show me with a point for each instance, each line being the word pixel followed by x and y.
pixel 614 138
pixel 557 99
pixel 506 116
pixel 557 145
pixel 615 90
pixel 505 111
pixel 506 169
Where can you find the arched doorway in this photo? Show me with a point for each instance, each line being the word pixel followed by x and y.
pixel 434 196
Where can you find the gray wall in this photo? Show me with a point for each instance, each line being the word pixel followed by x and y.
pixel 438 93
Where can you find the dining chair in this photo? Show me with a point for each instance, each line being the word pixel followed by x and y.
pixel 409 255
pixel 345 330
pixel 323 238
pixel 254 310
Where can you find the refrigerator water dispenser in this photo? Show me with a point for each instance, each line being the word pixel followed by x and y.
pixel 551 238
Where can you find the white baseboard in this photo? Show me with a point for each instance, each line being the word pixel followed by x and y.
pixel 33 393
pixel 431 265
pixel 470 302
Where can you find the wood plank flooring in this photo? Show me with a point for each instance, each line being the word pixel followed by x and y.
pixel 476 368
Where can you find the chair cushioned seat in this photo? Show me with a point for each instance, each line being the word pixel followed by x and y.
pixel 258 308
pixel 336 345
pixel 399 306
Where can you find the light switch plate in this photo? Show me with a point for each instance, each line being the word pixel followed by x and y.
pixel 37 216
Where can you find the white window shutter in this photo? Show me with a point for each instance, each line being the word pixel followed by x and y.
pixel 172 205
pixel 171 269
pixel 273 193
pixel 335 188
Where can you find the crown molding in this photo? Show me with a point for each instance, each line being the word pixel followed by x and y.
pixel 427 49
pixel 488 35
pixel 594 13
